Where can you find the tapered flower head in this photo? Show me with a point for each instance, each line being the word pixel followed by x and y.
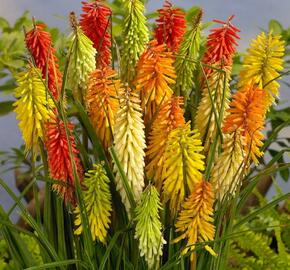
pixel 59 159
pixel 221 43
pixel 82 60
pixel 195 221
pixel 154 76
pixel 213 105
pixel 220 48
pixel 188 52
pixel 95 22
pixel 39 43
pixel 129 144
pixel 262 64
pixel 182 166
pixel 135 38
pixel 247 114
pixel 149 227
pixel 33 107
pixel 169 117
pixel 97 201
pixel 102 101
pixel 171 26
pixel 229 167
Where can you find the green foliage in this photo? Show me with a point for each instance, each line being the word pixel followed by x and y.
pixel 6 261
pixel 262 243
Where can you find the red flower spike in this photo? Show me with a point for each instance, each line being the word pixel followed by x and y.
pixel 60 166
pixel 221 43
pixel 171 26
pixel 39 44
pixel 95 22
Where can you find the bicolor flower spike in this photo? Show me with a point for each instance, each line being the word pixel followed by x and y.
pixel 213 106
pixel 149 227
pixel 171 26
pixel 95 22
pixel 188 52
pixel 154 76
pixel 182 166
pixel 102 100
pixel 59 158
pixel 129 144
pixel 220 48
pixel 262 64
pixel 169 117
pixel 39 43
pixel 82 60
pixel 195 221
pixel 33 107
pixel 135 38
pixel 221 44
pixel 228 170
pixel 247 113
pixel 97 201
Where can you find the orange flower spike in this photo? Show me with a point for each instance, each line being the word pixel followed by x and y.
pixel 171 26
pixel 103 103
pixel 221 43
pixel 59 161
pixel 247 113
pixel 155 74
pixel 40 45
pixel 169 117
pixel 195 220
pixel 95 22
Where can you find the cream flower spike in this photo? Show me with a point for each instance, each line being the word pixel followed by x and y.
pixel 129 144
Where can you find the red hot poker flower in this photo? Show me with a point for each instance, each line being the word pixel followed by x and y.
pixel 39 43
pixel 59 161
pixel 95 23
pixel 247 114
pixel 221 43
pixel 171 26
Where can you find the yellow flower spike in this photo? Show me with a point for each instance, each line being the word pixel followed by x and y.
pixel 129 144
pixel 262 64
pixel 229 167
pixel 97 201
pixel 169 117
pixel 33 107
pixel 102 102
pixel 214 102
pixel 155 74
pixel 182 166
pixel 195 220
pixel 149 227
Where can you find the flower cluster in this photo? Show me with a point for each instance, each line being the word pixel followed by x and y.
pixel 102 102
pixel 97 201
pixel 64 163
pixel 171 26
pixel 155 74
pixel 39 44
pixel 129 141
pixel 95 22
pixel 162 130
pixel 262 64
